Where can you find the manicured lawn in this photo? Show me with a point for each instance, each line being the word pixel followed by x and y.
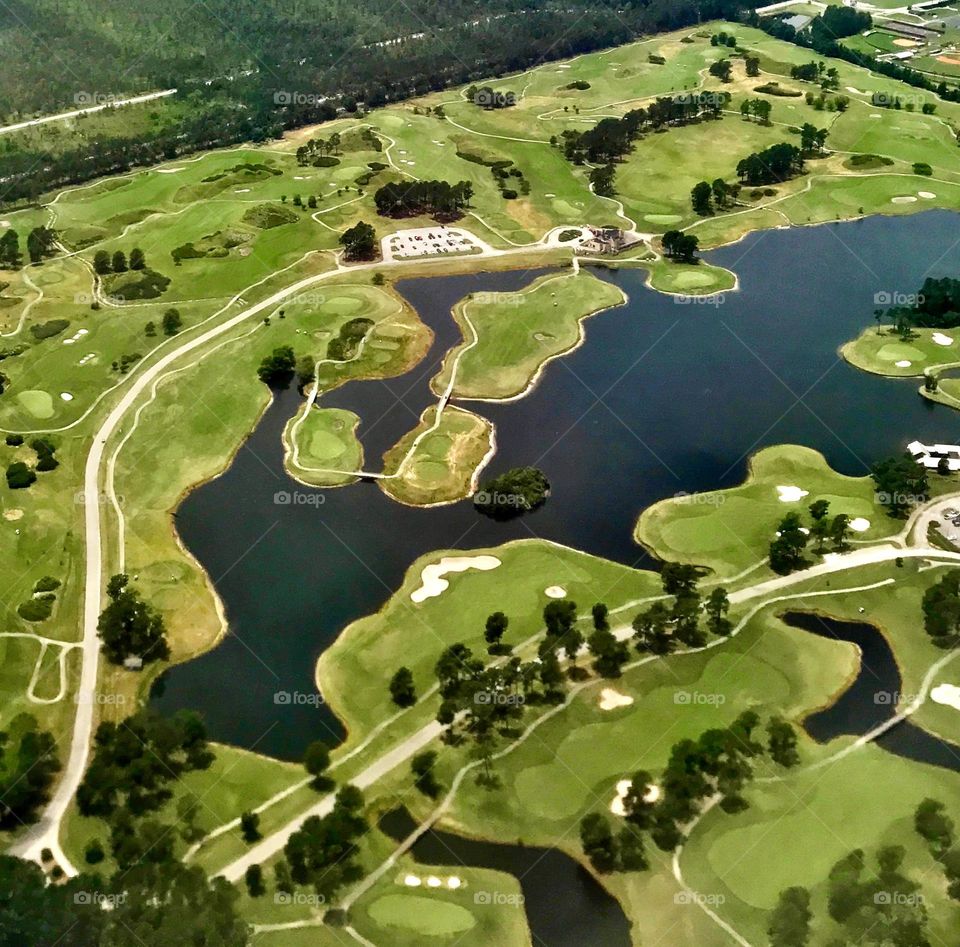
pixel 517 333
pixel 445 461
pixel 729 530
pixel 880 351
pixel 327 439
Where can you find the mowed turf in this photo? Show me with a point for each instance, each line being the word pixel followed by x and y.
pixel 730 530
pixel 517 333
pixel 327 443
pixel 436 462
pixel 881 351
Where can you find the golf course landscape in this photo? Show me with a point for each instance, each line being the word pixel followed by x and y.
pixel 488 517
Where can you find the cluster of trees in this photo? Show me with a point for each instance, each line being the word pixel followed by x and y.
pixel 20 475
pixel 28 764
pixel 722 69
pixel 277 368
pixel 936 306
pixel 502 176
pixel 759 109
pixel 901 483
pixel 705 196
pixel 612 138
pixel 941 611
pixel 786 550
pixel 129 626
pixel 154 904
pixel 104 263
pixel 439 199
pixel 680 247
pixel 773 165
pixel 359 242
pixel 344 345
pixel 936 828
pixel 664 625
pixel 171 323
pixel 319 148
pixel 513 493
pixel 716 765
pixel 10 256
pixel 887 100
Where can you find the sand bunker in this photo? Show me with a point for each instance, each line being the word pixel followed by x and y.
pixel 789 494
pixel 415 881
pixel 623 787
pixel 947 694
pixel 926 195
pixel 242 190
pixel 941 339
pixel 12 515
pixel 555 591
pixel 907 199
pixel 859 524
pixel 949 60
pixel 432 581
pixel 611 699
pixel 66 396
pixel 903 363
pixel 168 170
pixel 4 223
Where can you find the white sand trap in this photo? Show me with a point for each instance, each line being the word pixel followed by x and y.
pixel 432 581
pixel 433 881
pixel 903 363
pixel 66 396
pixel 69 341
pixel 941 339
pixel 411 881
pixel 790 494
pixel 168 170
pixel 12 515
pixel 563 65
pixel 4 223
pixel 859 524
pixel 549 195
pixel 908 199
pixel 454 882
pixel 947 694
pixel 623 787
pixel 876 115
pixel 555 591
pixel 242 190
pixel 850 88
pixel 926 195
pixel 611 699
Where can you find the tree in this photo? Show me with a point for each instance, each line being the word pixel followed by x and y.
pixel 602 180
pixel 253 878
pixel 790 921
pixel 10 257
pixel 782 742
pixel 306 373
pixel 718 604
pixel 277 369
pixel 700 198
pixel 838 531
pixel 250 827
pixel 20 476
pixel 680 247
pixel 630 849
pixel 819 509
pixel 402 689
pixel 129 627
pixel 786 551
pixel 599 614
pixel 495 628
pixel 753 66
pixel 359 242
pixel 609 653
pixel 316 760
pixel 138 260
pixel 722 69
pixel 150 330
pixel 28 764
pixel 933 824
pixel 901 483
pixel 119 263
pixel 424 779
pixel 651 631
pixel 41 242
pixel 172 322
pixel 598 842
pixel 639 803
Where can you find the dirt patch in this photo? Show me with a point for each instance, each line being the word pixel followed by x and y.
pixel 949 60
pixel 13 515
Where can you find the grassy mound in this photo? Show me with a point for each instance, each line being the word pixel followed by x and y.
pixel 267 216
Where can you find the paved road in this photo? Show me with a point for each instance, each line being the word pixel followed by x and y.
pixel 86 110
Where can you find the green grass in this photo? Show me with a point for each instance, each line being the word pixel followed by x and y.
pixel 879 350
pixel 517 333
pixel 730 530
pixel 327 438
pixel 443 464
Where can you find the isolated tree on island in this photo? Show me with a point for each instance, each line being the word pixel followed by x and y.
pixel 402 690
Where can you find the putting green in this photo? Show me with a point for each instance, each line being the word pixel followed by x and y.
pixel 426 916
pixel 564 207
pixel 895 352
pixel 693 280
pixel 343 305
pixel 325 445
pixel 38 403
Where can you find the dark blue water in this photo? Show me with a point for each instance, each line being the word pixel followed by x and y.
pixel 662 398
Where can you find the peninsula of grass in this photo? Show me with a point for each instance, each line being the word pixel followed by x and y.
pixel 438 461
pixel 328 449
pixel 731 530
pixel 686 279
pixel 510 336
pixel 881 351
